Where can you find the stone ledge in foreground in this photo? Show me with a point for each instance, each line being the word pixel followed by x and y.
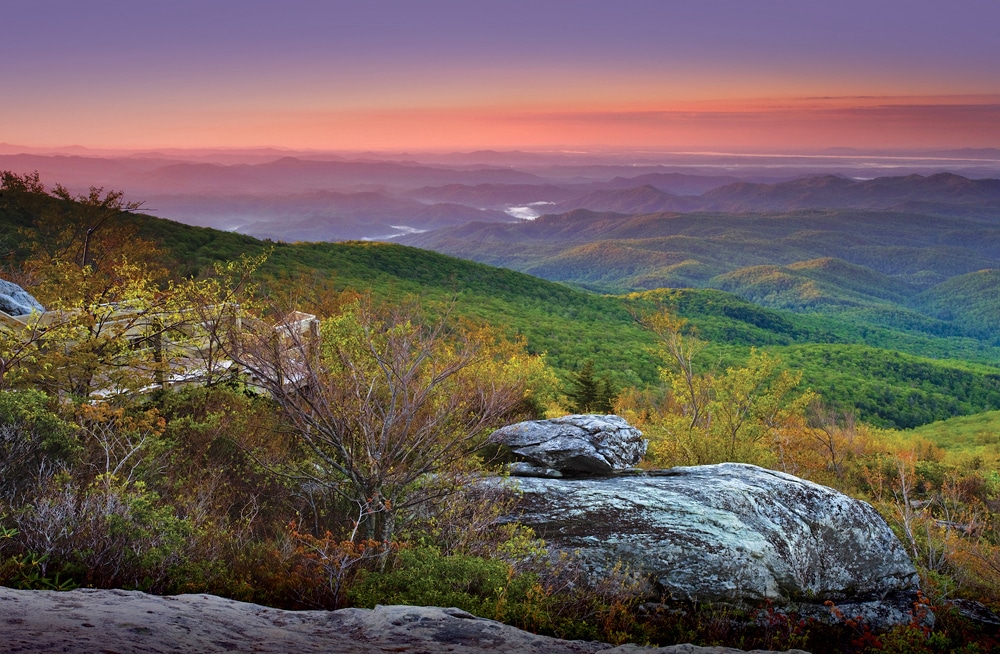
pixel 90 621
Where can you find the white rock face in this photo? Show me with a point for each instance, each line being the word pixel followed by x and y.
pixel 728 532
pixel 130 622
pixel 16 301
pixel 575 444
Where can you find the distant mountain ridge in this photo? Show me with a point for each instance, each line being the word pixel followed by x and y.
pixel 832 192
pixel 498 195
pixel 506 184
pixel 822 192
pixel 318 215
pixel 493 195
pixel 640 199
pixel 787 245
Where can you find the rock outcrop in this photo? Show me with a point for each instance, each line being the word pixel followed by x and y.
pixel 730 533
pixel 129 622
pixel 16 301
pixel 572 445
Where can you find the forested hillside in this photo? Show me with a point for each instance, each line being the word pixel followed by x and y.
pixel 920 273
pixel 572 326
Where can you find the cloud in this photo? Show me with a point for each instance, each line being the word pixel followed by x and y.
pixel 812 122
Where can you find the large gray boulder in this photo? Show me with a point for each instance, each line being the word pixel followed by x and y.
pixel 130 622
pixel 15 301
pixel 729 532
pixel 575 444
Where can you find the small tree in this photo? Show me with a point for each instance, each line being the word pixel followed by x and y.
pixel 385 399
pixel 19 345
pixel 606 396
pixel 109 304
pixel 22 200
pixel 733 415
pixel 751 405
pixel 585 389
pixel 589 393
pixel 106 331
pixel 678 349
pixel 76 230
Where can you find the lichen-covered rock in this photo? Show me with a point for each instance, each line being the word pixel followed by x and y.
pixel 523 469
pixel 15 301
pixel 975 611
pixel 129 622
pixel 575 444
pixel 727 532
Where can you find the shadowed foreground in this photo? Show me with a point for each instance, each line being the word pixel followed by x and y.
pixel 126 622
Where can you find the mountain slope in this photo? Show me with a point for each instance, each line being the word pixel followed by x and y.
pixel 641 199
pixel 971 300
pixel 572 326
pixel 865 266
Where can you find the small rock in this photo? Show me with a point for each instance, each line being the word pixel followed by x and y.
pixel 975 611
pixel 15 301
pixel 522 469
pixel 575 444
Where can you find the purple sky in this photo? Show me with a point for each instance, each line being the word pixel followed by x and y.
pixel 418 73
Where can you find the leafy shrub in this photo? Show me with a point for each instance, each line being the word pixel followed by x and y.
pixel 423 577
pixel 31 436
pixel 110 534
pixel 325 567
pixel 552 597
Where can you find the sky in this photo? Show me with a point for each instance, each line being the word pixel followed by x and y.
pixel 443 75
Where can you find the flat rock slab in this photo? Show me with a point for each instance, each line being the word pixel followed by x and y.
pixel 130 622
pixel 727 532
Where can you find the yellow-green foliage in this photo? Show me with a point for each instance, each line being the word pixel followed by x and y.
pixel 964 437
pixel 423 577
pixel 390 396
pixel 738 414
pixel 552 598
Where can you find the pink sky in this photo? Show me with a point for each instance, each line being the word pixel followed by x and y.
pixel 395 75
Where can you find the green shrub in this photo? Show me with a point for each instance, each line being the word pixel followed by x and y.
pixel 552 597
pixel 30 435
pixel 108 535
pixel 423 577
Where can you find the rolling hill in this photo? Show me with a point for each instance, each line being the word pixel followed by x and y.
pixel 868 267
pixel 845 363
pixel 971 300
pixel 952 194
pixel 832 192
pixel 850 364
pixel 640 199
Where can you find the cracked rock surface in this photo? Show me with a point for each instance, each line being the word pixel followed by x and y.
pixel 729 532
pixel 587 444
pixel 129 622
pixel 16 301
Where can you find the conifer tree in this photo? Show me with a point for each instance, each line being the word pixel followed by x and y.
pixel 589 393
pixel 585 390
